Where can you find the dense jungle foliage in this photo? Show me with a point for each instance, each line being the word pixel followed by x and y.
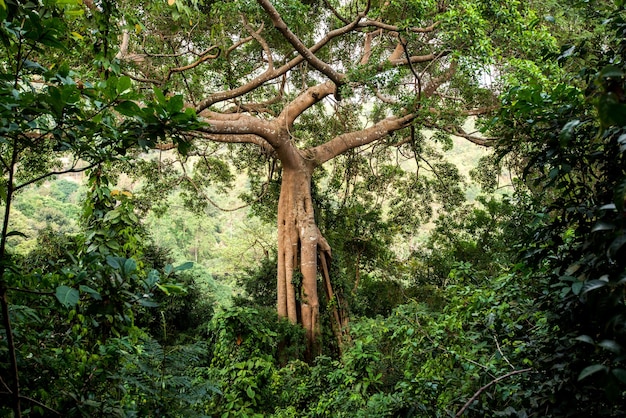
pixel 135 284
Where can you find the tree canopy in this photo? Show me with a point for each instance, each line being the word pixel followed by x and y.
pixel 334 118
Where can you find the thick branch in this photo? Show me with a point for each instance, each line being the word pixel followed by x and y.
pixel 243 125
pixel 436 82
pixel 478 140
pixel 350 140
pixel 235 139
pixel 307 99
pixel 413 60
pixel 124 45
pixel 481 110
pixel 257 37
pixel 367 46
pixel 305 52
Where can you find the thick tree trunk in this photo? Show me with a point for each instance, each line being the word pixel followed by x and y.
pixel 298 241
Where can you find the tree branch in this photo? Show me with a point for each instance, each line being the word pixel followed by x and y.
pixel 392 28
pixel 436 82
pixel 482 389
pixel 194 64
pixel 257 37
pixel 350 140
pixel 478 140
pixel 235 139
pixel 46 407
pixel 271 74
pixel 367 46
pixel 305 52
pixel 33 292
pixel 55 173
pixel 305 100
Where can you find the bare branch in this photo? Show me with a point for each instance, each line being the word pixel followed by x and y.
pixel 391 28
pixel 367 47
pixel 478 140
pixel 418 79
pixel 143 80
pixel 124 46
pixel 257 37
pixel 33 292
pixel 195 63
pixel 240 42
pixel 234 139
pixel 54 173
pixel 385 99
pixel 501 353
pixel 269 74
pixel 481 110
pixel 350 140
pixel 90 5
pixel 337 15
pixel 305 52
pixel 397 62
pixel 482 389
pixel 436 82
pixel 307 99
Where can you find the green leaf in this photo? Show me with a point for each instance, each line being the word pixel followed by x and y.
pixel 115 262
pixel 175 104
pixel 250 392
pixel 172 288
pixel 128 108
pixel 184 266
pixel 611 346
pixel 608 206
pixel 588 371
pixel 148 303
pixel 593 285
pixel 616 245
pixel 112 214
pixel 603 226
pixel 123 85
pixel 92 292
pixel 158 94
pixel 130 266
pixel 568 130
pixel 568 52
pixel 620 374
pixel 586 339
pixel 152 279
pixel 67 296
pixel 168 269
pixel 611 71
pixel 622 142
pixel 577 287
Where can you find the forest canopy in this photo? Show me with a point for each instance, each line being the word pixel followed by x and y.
pixel 359 271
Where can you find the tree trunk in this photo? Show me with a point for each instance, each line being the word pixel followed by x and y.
pixel 298 241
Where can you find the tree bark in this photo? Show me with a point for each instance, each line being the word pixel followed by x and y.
pixel 298 241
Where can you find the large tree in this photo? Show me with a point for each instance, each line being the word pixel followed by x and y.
pixel 302 83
